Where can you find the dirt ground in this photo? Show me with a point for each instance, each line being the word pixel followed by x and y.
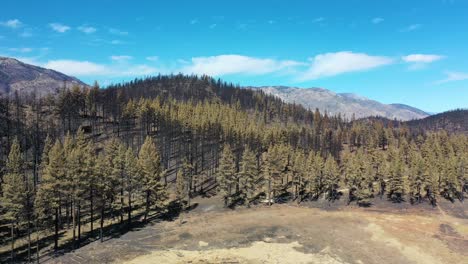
pixel 291 234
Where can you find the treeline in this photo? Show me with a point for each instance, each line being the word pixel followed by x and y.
pixel 87 156
pixel 79 186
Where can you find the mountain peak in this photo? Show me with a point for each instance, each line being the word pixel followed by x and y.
pixel 25 78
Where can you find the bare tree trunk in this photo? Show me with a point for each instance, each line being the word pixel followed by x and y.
pixel 129 209
pixel 91 197
pixel 37 243
pixel 147 205
pixel 269 192
pixel 56 229
pixel 79 224
pixel 29 240
pixel 73 223
pixel 12 242
pixel 101 235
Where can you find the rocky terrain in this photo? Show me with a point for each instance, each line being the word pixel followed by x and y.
pixel 345 103
pixel 18 76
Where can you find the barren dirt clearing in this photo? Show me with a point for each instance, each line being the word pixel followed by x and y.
pixel 289 234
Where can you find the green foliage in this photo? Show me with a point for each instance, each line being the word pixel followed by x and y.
pixel 249 174
pixel 226 173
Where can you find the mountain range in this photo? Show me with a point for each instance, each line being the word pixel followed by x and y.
pixel 25 78
pixel 347 104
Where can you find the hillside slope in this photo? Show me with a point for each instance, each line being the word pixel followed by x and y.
pixel 25 78
pixel 345 103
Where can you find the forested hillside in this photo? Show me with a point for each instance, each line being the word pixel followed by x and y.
pixel 455 121
pixel 73 163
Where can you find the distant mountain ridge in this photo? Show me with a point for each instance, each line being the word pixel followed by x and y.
pixel 25 78
pixel 346 104
pixel 451 121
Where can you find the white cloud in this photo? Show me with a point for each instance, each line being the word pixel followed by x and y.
pixel 116 42
pixel 152 58
pixel 121 57
pixel 119 32
pixel 377 20
pixel 454 76
pixel 59 27
pixel 318 19
pixel 193 21
pixel 77 68
pixel 420 61
pixel 22 50
pixel 87 68
pixel 236 64
pixel 87 29
pixel 331 64
pixel 412 27
pixel 422 58
pixel 212 26
pixel 12 23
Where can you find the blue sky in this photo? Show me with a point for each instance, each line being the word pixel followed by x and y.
pixel 412 52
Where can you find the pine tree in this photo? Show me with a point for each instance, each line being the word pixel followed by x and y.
pixel 365 180
pixel 396 182
pixel 316 175
pixel 226 172
pixel 248 174
pixel 331 178
pixel 150 167
pixel 418 178
pixel 132 180
pixel 299 180
pixel 15 192
pixel 449 184
pixel 47 201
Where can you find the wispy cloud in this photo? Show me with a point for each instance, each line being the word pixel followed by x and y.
pixel 420 61
pixel 422 58
pixel 87 29
pixel 21 50
pixel 87 68
pixel 236 64
pixel 412 27
pixel 453 76
pixel 116 42
pixel 193 21
pixel 377 20
pixel 77 68
pixel 152 58
pixel 120 57
pixel 59 27
pixel 331 64
pixel 12 23
pixel 318 19
pixel 212 26
pixel 116 31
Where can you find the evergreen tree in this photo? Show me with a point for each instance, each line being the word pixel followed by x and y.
pixel 226 173
pixel 47 201
pixel 331 178
pixel 418 178
pixel 248 174
pixel 15 192
pixel 150 167
pixel 396 182
pixel 132 180
pixel 299 167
